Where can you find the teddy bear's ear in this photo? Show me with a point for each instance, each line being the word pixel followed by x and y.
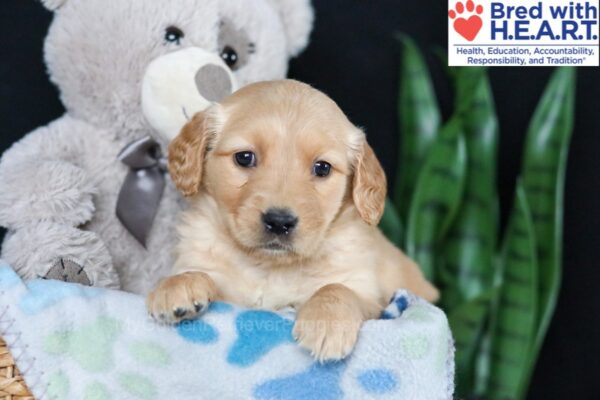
pixel 53 5
pixel 297 17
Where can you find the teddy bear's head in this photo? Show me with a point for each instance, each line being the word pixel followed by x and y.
pixel 131 65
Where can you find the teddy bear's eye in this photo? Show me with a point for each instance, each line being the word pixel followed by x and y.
pixel 235 45
pixel 230 56
pixel 174 35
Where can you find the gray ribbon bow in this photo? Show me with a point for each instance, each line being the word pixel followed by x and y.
pixel 143 188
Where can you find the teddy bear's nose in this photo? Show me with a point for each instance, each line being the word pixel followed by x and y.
pixel 213 82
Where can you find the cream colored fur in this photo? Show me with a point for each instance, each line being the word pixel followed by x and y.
pixel 337 269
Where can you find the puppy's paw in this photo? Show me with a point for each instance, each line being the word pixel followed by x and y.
pixel 181 297
pixel 328 331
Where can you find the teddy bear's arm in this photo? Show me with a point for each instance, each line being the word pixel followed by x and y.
pixel 41 181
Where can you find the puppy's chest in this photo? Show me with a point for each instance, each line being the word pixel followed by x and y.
pixel 276 289
pixel 282 288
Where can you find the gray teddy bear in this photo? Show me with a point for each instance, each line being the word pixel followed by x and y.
pixel 87 198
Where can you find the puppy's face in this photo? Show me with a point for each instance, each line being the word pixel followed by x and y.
pixel 281 160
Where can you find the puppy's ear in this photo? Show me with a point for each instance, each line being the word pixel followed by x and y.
pixel 369 186
pixel 186 155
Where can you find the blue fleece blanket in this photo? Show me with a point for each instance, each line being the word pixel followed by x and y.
pixel 75 342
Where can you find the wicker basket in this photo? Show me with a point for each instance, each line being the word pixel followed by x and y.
pixel 12 386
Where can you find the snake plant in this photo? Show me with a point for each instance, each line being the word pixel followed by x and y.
pixel 499 289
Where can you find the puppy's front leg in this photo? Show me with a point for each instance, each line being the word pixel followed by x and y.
pixel 182 296
pixel 328 323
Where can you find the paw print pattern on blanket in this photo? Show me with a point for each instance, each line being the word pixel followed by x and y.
pixel 420 313
pixel 219 308
pixel 46 293
pixel 138 386
pixel 8 278
pixel 58 385
pixel 91 346
pixel 319 381
pixel 96 391
pixel 397 306
pixel 149 353
pixel 415 346
pixel 258 333
pixel 197 331
pixel 378 381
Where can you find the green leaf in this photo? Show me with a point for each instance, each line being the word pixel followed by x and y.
pixel 515 323
pixel 419 121
pixel 437 196
pixel 543 174
pixel 467 322
pixel 468 82
pixel 470 245
pixel 390 224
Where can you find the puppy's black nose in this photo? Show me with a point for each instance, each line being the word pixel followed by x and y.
pixel 279 221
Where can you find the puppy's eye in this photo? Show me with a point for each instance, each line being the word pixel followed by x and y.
pixel 245 159
pixel 321 169
pixel 174 35
pixel 230 56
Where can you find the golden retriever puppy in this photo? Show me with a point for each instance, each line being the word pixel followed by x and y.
pixel 286 195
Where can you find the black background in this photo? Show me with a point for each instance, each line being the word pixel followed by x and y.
pixel 354 58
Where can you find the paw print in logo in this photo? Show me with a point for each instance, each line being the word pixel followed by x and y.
pixel 468 24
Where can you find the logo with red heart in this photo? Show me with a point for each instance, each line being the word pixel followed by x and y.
pixel 467 19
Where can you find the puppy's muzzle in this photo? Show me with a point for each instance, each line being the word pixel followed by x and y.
pixel 279 221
